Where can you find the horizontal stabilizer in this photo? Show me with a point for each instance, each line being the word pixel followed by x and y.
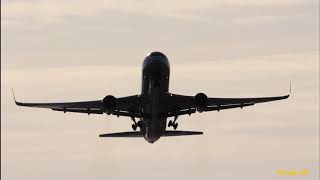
pixel 123 134
pixel 181 133
pixel 139 134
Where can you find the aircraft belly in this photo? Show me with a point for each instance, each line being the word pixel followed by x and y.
pixel 155 125
pixel 155 84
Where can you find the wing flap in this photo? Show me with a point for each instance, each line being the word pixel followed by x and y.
pixel 88 111
pixel 218 108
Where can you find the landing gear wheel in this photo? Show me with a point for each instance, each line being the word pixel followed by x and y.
pixel 170 123
pixel 134 127
pixel 175 126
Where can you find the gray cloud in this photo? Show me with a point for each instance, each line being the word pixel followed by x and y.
pixel 101 37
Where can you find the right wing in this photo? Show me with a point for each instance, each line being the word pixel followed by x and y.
pixel 181 105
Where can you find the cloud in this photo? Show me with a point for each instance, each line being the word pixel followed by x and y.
pixel 84 50
pixel 46 12
pixel 82 33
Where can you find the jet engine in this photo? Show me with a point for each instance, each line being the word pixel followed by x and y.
pixel 109 104
pixel 200 102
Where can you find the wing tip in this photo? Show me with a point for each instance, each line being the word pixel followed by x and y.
pixel 14 98
pixel 290 90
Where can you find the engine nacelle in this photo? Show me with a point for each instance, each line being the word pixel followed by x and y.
pixel 109 104
pixel 200 102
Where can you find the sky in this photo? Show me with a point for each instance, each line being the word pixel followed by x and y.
pixel 54 51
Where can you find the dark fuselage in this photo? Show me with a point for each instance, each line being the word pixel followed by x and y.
pixel 155 86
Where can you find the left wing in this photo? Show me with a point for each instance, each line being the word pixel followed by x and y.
pixel 90 107
pixel 125 106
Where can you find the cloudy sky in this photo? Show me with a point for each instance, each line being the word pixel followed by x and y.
pixel 83 50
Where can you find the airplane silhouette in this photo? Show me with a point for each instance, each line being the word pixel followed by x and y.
pixel 154 105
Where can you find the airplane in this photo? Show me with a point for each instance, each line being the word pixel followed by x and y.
pixel 154 105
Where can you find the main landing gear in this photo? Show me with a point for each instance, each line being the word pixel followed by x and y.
pixel 136 124
pixel 173 124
